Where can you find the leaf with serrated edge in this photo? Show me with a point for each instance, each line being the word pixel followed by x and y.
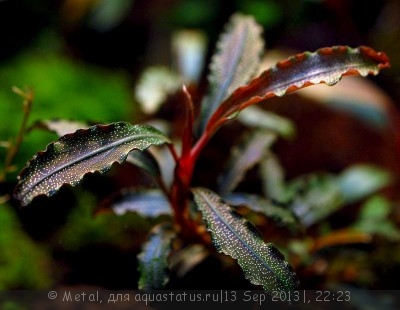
pixel 236 61
pixel 67 160
pixel 244 157
pixel 153 263
pixel 262 263
pixel 149 203
pixel 326 65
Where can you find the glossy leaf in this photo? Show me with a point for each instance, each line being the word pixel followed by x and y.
pixel 326 65
pixel 244 157
pixel 237 58
pixel 148 203
pixel 87 150
pixel 233 235
pixel 153 260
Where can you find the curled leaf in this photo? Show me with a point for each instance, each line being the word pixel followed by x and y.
pixel 326 65
pixel 233 235
pixel 87 150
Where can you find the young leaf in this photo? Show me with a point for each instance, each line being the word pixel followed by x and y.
pixel 152 260
pixel 326 65
pixel 86 150
pixel 236 61
pixel 245 157
pixel 262 263
pixel 149 203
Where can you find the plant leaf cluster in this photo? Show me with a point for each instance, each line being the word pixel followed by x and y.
pixel 232 88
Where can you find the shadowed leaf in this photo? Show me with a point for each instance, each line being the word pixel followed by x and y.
pixel 326 65
pixel 264 206
pixel 262 263
pixel 148 203
pixel 243 158
pixel 87 150
pixel 237 58
pixel 152 260
pixel 145 161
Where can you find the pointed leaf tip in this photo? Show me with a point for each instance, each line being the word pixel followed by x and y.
pixel 233 235
pixel 235 62
pixel 326 65
pixel 67 160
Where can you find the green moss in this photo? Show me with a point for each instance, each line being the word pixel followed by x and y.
pixel 23 264
pixel 63 89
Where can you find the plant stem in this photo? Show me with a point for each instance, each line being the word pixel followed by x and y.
pixel 15 146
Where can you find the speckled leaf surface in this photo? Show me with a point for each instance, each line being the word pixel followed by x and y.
pixel 235 62
pixel 326 65
pixel 153 260
pixel 233 235
pixel 67 160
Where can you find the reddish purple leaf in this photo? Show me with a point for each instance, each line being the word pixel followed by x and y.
pixel 326 65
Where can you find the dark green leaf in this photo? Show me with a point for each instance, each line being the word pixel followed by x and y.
pixel 87 150
pixel 237 58
pixel 262 263
pixel 148 203
pixel 326 65
pixel 244 157
pixel 315 197
pixel 153 260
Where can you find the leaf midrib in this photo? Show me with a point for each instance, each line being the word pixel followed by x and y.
pixel 209 203
pixel 92 153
